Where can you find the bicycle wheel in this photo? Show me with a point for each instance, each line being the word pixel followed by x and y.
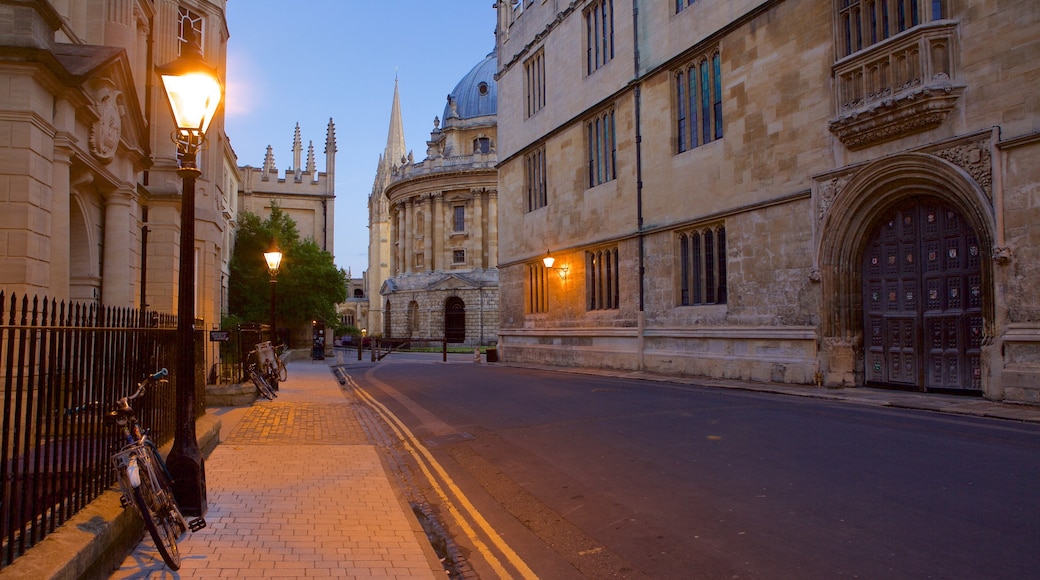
pixel 156 513
pixel 261 384
pixel 164 490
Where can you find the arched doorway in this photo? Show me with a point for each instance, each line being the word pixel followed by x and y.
pixel 922 299
pixel 413 318
pixel 386 321
pixel 455 320
pixel 850 218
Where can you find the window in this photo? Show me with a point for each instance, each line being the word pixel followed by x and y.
pixel 420 260
pixel 190 25
pixel 482 145
pixel 681 5
pixel 862 23
pixel 601 279
pixel 702 266
pixel 534 83
pixel 599 35
pixel 698 102
pixel 535 179
pixel 458 256
pixel 602 148
pixel 459 218
pixel 537 289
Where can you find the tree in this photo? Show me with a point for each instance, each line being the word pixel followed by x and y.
pixel 309 283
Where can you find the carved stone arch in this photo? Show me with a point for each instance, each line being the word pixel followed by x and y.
pixel 844 232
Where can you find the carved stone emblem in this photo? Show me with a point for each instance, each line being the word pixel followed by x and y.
pixel 106 131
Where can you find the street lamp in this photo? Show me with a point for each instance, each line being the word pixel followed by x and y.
pixel 274 259
pixel 548 262
pixel 194 92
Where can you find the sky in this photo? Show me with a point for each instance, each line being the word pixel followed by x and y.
pixel 305 61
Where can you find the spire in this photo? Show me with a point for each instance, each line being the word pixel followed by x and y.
pixel 330 151
pixel 297 149
pixel 269 167
pixel 310 158
pixel 395 148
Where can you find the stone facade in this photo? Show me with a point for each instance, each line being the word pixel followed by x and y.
pixel 731 234
pixel 89 191
pixel 434 224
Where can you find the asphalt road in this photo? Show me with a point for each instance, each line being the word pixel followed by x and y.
pixel 599 477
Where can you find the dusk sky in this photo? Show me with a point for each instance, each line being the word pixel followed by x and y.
pixel 305 61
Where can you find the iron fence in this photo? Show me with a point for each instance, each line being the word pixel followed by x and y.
pixel 62 367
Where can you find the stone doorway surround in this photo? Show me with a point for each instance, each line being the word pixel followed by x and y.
pixel 848 202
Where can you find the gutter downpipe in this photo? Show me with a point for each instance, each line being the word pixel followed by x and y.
pixel 641 315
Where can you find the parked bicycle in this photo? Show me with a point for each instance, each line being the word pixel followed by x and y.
pixel 257 370
pixel 145 481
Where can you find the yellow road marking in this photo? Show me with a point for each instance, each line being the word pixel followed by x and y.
pixel 426 462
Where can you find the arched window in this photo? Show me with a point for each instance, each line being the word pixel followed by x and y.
pixel 702 266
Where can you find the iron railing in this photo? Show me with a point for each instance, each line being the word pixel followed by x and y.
pixel 62 367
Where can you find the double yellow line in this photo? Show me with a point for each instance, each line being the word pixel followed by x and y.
pixel 461 509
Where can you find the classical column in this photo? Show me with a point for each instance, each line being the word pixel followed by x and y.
pixel 116 283
pixel 409 236
pixel 429 258
pixel 492 231
pixel 477 239
pixel 59 238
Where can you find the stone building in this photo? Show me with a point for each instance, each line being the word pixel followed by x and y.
pixel 303 193
pixel 89 194
pixel 835 192
pixel 434 223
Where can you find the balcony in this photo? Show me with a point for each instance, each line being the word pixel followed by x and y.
pixel 900 86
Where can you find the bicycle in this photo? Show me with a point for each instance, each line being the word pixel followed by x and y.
pixel 144 480
pixel 259 375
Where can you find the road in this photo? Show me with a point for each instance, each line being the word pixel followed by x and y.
pixel 585 476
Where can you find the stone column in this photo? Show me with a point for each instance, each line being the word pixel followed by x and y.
pixel 409 236
pixel 477 238
pixel 428 250
pixel 492 231
pixel 117 270
pixel 393 242
pixel 61 197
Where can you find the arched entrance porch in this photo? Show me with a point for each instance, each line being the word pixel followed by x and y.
pixel 905 338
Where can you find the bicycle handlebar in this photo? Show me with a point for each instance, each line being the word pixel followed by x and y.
pixel 151 379
pixel 158 375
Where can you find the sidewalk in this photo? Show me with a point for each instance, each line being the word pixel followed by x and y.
pixel 296 491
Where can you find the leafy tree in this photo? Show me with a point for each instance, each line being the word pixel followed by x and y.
pixel 309 285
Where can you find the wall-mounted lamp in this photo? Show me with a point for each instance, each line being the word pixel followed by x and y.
pixel 548 262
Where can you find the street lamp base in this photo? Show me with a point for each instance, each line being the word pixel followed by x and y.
pixel 188 471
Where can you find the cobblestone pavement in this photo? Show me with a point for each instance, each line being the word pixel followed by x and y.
pixel 296 491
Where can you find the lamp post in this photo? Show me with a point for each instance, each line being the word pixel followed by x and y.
pixel 194 93
pixel 274 259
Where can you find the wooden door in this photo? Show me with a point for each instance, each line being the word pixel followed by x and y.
pixel 922 300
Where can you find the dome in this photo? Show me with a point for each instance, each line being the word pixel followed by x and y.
pixel 476 95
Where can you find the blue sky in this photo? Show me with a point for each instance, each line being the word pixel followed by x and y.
pixel 304 61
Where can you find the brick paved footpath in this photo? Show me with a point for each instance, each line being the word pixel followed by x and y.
pixel 296 491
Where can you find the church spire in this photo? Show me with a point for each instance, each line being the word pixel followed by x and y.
pixel 395 147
